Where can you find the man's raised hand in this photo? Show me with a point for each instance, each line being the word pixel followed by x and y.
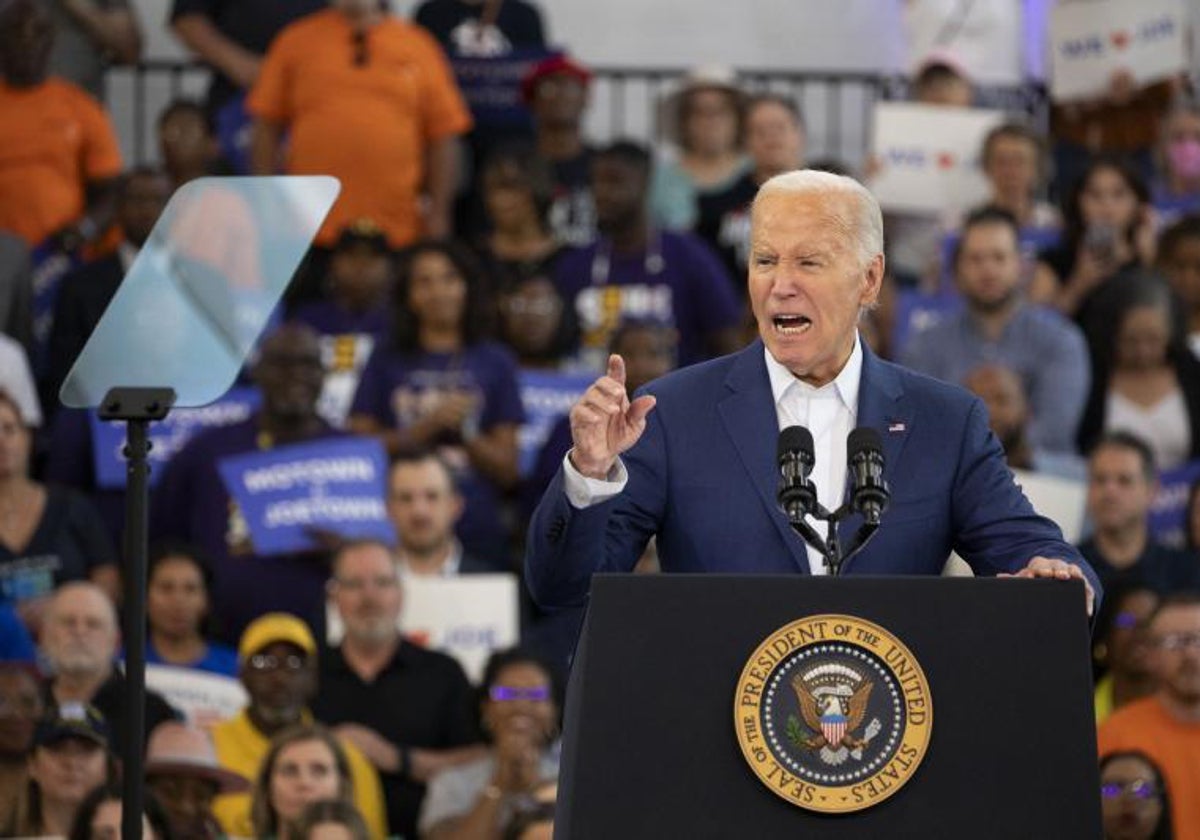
pixel 604 423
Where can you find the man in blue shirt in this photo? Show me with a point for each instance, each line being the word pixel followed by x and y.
pixel 997 325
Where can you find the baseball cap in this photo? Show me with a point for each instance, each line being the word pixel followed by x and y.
pixel 555 65
pixel 71 720
pixel 275 627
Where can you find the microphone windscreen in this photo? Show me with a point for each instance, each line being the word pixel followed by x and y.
pixel 795 438
pixel 861 440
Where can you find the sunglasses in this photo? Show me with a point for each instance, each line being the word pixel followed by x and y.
pixel 1138 789
pixel 505 693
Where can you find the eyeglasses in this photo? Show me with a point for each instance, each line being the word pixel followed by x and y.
pixel 266 662
pixel 1138 789
pixel 1178 641
pixel 359 584
pixel 503 693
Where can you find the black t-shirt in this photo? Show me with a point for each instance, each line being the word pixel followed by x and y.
pixel 518 25
pixel 1161 568
pixel 69 541
pixel 421 699
pixel 723 221
pixel 252 24
pixel 572 210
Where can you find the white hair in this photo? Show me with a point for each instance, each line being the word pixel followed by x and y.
pixel 865 227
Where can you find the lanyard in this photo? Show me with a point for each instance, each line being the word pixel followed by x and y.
pixel 652 263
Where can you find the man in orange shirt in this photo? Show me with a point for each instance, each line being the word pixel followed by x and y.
pixel 58 152
pixel 369 99
pixel 1166 725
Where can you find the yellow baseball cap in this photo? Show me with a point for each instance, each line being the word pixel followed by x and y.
pixel 275 627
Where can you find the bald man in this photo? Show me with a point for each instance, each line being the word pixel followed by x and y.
pixel 79 643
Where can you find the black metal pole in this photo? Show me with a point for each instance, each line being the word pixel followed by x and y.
pixel 137 533
pixel 137 407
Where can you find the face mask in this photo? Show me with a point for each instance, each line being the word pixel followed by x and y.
pixel 1185 158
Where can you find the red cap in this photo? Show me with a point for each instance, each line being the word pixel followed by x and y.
pixel 550 67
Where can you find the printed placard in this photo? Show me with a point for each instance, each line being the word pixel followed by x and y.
pixel 1169 511
pixel 289 493
pixel 205 698
pixel 928 157
pixel 1091 41
pixel 491 85
pixel 167 436
pixel 546 396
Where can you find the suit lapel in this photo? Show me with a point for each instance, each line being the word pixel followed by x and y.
pixel 748 413
pixel 881 406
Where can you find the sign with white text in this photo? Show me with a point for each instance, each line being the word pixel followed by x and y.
pixel 1091 41
pixel 204 698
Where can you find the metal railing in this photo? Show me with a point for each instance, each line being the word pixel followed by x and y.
pixel 624 102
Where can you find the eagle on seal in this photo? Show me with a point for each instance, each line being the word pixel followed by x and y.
pixel 831 717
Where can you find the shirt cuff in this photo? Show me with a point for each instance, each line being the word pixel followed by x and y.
pixel 583 492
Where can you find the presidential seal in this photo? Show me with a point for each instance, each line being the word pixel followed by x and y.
pixel 833 713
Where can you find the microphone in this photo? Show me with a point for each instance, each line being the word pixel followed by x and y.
pixel 797 494
pixel 864 456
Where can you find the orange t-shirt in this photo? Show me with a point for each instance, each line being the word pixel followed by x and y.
pixel 368 125
pixel 55 140
pixel 1146 725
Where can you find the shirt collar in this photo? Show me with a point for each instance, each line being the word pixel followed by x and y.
pixel 448 569
pixel 846 384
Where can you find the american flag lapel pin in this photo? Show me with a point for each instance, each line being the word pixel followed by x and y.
pixel 896 427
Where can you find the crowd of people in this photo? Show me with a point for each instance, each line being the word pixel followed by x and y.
pixel 466 258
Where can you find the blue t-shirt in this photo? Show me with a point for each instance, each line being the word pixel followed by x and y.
pixel 678 281
pixel 16 645
pixel 399 388
pixel 217 659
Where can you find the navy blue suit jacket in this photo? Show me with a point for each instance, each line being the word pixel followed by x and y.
pixel 703 477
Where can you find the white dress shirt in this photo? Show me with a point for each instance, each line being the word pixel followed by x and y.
pixel 829 412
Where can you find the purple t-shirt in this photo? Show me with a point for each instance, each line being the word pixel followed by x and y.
pixel 192 505
pixel 347 339
pixel 677 281
pixel 399 388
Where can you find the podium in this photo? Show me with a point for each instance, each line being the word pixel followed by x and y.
pixel 661 718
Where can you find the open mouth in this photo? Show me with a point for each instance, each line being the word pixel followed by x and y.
pixel 791 324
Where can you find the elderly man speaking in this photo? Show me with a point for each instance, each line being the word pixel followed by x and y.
pixel 693 460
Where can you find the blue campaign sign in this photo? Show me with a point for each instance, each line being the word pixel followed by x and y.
pixel 491 86
pixel 546 395
pixel 287 494
pixel 1168 513
pixel 166 437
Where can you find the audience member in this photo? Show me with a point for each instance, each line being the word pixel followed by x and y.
pixel 1003 394
pixel 518 189
pixel 79 646
pixel 50 534
pixel 1166 725
pixel 376 106
pixel 1146 381
pixel 520 712
pixel 940 79
pixel 1179 263
pixel 408 709
pixel 89 37
pixel 331 819
pixel 536 324
pixel 425 505
pixel 998 325
pixel 438 383
pixel 1014 160
pixel 1134 801
pixel 556 92
pixel 703 122
pixel 179 613
pixel 1122 482
pixel 775 140
pixel 183 774
pixel 635 270
pixel 1108 230
pixel 70 757
pixel 232 37
pixel 354 314
pixel 1121 655
pixel 187 143
pixel 277 656
pixel 304 765
pixel 20 710
pixel 86 292
pixel 1176 189
pixel 99 817
pixel 58 153
pixel 192 505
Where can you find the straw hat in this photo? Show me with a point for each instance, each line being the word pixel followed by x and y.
pixel 176 749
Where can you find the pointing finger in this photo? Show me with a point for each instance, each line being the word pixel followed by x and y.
pixel 616 369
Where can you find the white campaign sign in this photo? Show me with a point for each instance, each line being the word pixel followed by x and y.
pixel 204 698
pixel 928 157
pixel 1090 41
pixel 468 617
